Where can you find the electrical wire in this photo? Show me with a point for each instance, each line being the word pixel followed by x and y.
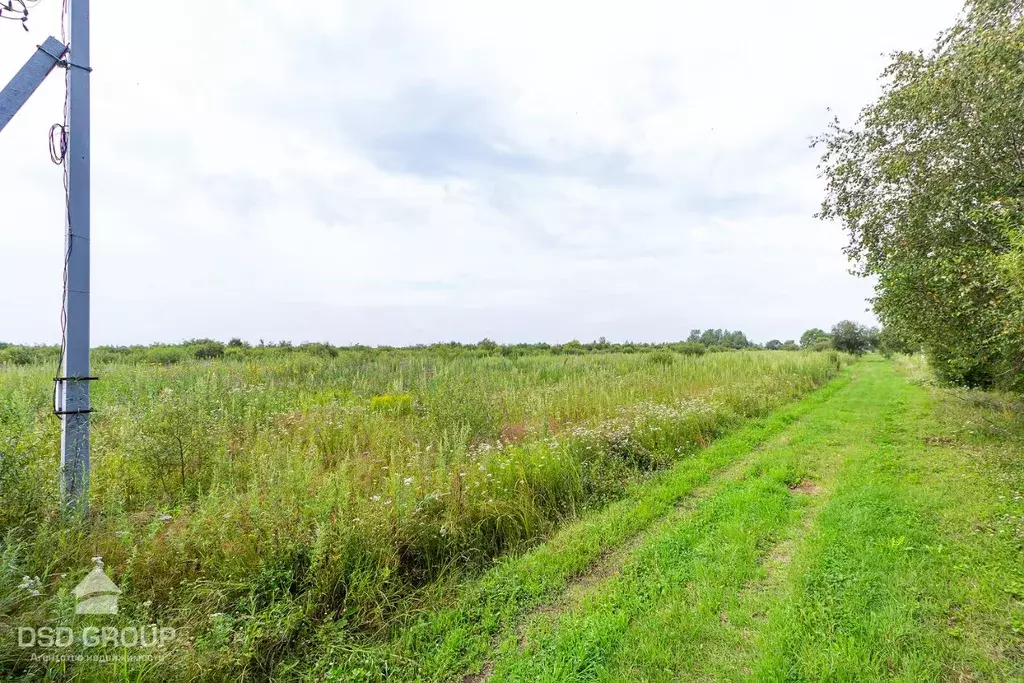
pixel 58 150
pixel 16 14
pixel 58 143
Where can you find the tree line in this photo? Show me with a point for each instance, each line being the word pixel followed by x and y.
pixel 845 336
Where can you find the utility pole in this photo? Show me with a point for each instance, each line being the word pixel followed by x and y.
pixel 36 69
pixel 73 385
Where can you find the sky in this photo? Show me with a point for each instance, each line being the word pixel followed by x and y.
pixel 385 172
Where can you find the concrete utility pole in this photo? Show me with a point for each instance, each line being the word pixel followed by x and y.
pixel 31 76
pixel 73 385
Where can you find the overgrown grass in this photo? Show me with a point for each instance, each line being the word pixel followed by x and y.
pixel 249 504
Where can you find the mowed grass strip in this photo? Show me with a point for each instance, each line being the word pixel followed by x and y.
pixel 446 641
pixel 704 630
pixel 611 565
pixel 915 569
pixel 673 597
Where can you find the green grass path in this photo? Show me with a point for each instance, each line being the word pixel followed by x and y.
pixel 860 542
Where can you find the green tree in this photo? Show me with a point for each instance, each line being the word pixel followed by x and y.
pixel 737 340
pixel 812 337
pixel 851 337
pixel 929 186
pixel 773 345
pixel 711 337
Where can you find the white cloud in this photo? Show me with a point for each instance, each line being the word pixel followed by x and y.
pixel 400 172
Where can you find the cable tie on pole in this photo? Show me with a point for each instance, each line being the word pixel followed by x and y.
pixel 56 58
pixel 67 62
pixel 72 412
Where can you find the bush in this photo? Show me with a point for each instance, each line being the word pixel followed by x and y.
pixel 691 349
pixel 319 349
pixel 209 350
pixel 571 348
pixel 166 355
pixel 16 355
pixel 664 358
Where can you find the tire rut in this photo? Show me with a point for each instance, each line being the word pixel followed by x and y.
pixel 611 563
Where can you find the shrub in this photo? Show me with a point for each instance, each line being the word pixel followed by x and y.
pixel 319 349
pixel 176 444
pixel 691 349
pixel 664 358
pixel 209 350
pixel 572 348
pixel 16 355
pixel 511 352
pixel 166 355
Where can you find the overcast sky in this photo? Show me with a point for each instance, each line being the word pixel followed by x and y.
pixel 400 172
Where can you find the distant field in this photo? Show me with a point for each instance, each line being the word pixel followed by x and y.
pixel 265 505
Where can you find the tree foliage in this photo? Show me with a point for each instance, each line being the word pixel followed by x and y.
pixel 853 337
pixel 929 186
pixel 812 337
pixel 718 338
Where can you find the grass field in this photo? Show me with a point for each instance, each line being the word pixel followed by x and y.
pixel 294 514
pixel 737 516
